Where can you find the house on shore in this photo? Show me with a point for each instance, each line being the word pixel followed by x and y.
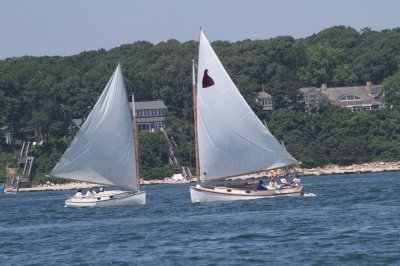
pixel 265 100
pixel 150 115
pixel 357 98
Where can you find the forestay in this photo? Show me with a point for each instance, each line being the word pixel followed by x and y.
pixel 231 139
pixel 103 151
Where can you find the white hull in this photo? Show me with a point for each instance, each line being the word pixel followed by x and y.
pixel 109 198
pixel 201 193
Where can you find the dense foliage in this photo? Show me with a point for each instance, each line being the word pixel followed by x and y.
pixel 40 95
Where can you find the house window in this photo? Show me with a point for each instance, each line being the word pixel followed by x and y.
pixel 159 125
pixel 144 127
pixel 360 108
pixel 349 98
pixel 265 102
pixel 356 108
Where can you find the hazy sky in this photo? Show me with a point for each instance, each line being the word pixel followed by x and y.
pixel 66 27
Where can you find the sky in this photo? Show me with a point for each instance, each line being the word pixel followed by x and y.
pixel 68 27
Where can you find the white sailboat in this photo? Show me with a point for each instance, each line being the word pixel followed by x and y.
pixel 104 151
pixel 230 139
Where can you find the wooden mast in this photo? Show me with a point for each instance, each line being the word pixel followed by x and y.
pixel 135 141
pixel 196 144
pixel 196 138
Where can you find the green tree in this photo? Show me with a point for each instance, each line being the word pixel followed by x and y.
pixel 343 75
pixel 153 155
pixel 340 37
pixel 322 63
pixel 391 87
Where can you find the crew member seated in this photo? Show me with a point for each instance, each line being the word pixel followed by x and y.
pixel 296 181
pixel 90 193
pixel 273 183
pixel 261 185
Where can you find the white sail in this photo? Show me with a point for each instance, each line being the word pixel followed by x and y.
pixel 231 139
pixel 103 151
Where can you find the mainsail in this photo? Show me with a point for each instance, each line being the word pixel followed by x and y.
pixel 232 140
pixel 103 151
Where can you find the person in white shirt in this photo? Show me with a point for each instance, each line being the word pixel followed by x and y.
pixel 273 183
pixel 296 181
pixel 78 194
pixel 90 193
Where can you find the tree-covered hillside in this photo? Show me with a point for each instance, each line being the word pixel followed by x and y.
pixel 40 95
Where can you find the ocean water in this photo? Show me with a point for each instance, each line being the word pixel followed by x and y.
pixel 352 220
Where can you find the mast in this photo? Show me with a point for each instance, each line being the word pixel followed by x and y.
pixel 135 141
pixel 196 144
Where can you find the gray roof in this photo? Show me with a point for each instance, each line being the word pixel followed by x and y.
pixel 76 122
pixel 309 90
pixel 263 95
pixel 148 105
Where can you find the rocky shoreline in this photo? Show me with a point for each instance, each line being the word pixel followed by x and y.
pixel 318 171
pixel 354 169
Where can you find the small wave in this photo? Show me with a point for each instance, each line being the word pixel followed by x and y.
pixel 245 236
pixel 309 194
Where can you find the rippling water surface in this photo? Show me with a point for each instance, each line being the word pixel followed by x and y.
pixel 352 220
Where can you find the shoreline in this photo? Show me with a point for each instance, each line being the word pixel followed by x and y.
pixel 375 167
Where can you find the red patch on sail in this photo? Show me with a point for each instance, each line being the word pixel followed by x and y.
pixel 207 80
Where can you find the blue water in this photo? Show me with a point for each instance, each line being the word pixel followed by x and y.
pixel 352 220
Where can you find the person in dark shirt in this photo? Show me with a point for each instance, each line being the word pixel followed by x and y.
pixel 261 185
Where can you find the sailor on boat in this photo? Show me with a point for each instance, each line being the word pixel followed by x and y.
pixel 261 185
pixel 90 193
pixel 273 183
pixel 78 194
pixel 296 181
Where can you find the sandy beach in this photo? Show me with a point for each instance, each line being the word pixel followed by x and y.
pixel 318 171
